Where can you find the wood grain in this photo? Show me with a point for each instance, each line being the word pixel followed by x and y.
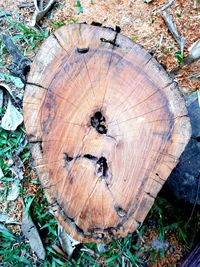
pixel 106 125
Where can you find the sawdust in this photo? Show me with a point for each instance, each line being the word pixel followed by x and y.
pixel 168 255
pixel 140 21
pixel 143 23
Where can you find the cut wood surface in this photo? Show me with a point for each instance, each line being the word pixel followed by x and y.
pixel 107 126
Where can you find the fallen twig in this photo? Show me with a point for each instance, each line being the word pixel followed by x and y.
pixel 168 5
pixel 21 64
pixel 40 11
pixel 172 26
pixel 173 29
pixel 194 75
pixel 25 5
pixel 194 53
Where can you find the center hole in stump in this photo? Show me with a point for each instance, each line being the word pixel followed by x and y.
pixel 102 167
pixel 98 122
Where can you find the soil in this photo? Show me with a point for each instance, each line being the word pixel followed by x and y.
pixel 143 23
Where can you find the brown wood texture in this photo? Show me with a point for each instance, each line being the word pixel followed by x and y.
pixel 106 125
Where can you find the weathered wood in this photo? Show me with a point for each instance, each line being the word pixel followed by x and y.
pixel 107 126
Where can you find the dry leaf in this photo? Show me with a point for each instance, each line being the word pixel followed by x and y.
pixel 2 227
pixel 5 87
pixel 14 192
pixel 4 218
pixel 68 244
pixel 31 233
pixel 12 118
pixel 59 250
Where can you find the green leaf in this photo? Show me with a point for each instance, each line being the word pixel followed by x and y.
pixel 179 57
pixel 29 201
pixel 80 8
pixel 113 258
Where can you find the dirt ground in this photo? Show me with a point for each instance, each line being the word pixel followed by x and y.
pixel 140 21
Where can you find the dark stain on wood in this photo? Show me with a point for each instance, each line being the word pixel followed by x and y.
pixel 82 50
pixel 98 122
pixel 120 211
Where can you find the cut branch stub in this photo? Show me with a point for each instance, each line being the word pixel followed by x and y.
pixel 107 126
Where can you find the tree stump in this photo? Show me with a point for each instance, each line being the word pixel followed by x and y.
pixel 107 126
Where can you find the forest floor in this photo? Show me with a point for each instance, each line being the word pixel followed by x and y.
pixel 172 228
